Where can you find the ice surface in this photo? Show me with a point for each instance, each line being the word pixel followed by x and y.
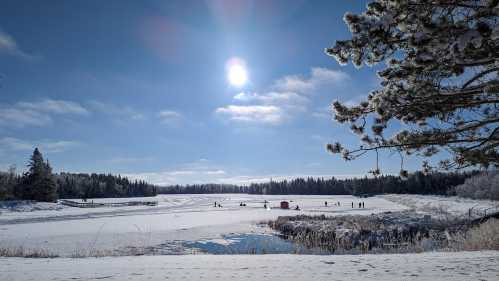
pixel 67 230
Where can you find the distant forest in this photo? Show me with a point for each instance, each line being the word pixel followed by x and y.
pixel 80 185
pixel 101 186
pixel 39 183
pixel 416 183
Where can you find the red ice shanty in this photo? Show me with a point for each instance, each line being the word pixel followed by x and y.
pixel 284 205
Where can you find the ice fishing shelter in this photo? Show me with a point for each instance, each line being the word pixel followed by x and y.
pixel 284 205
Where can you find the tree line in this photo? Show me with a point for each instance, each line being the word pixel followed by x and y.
pixel 416 183
pixel 40 184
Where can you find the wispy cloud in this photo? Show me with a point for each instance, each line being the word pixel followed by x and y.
pixel 290 100
pixel 199 171
pixel 18 117
pixel 39 113
pixel 268 114
pixel 319 76
pixel 169 117
pixel 287 97
pixel 247 180
pixel 220 177
pixel 10 47
pixel 215 172
pixel 178 176
pixel 54 106
pixel 15 144
pixel 116 111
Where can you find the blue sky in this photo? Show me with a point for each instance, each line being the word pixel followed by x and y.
pixel 140 88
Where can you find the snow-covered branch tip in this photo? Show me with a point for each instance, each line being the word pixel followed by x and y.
pixel 440 81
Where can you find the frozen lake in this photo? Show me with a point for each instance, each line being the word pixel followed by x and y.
pixel 177 219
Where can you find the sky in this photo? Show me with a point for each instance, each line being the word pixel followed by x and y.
pixel 144 89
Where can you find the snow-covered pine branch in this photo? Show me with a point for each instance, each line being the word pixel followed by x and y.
pixel 440 81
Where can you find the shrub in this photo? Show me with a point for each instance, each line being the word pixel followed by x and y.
pixel 482 186
pixel 482 237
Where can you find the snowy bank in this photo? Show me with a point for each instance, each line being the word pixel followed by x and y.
pixel 427 266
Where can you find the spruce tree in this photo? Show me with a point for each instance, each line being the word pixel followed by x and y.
pixel 38 183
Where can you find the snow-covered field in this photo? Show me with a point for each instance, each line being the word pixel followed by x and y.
pixel 68 231
pixel 443 205
pixel 395 267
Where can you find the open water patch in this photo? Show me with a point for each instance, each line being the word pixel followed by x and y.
pixel 251 244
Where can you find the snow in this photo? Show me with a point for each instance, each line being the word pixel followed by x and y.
pixel 427 266
pixel 442 205
pixel 67 230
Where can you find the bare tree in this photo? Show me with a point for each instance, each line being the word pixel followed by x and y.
pixel 440 82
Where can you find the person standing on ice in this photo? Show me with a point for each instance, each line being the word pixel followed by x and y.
pixel 352 205
pixel 215 203
pixel 362 204
pixel 325 203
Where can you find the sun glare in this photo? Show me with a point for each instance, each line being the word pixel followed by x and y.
pixel 237 73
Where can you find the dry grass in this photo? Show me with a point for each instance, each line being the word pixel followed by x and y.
pixel 387 233
pixel 26 252
pixel 482 237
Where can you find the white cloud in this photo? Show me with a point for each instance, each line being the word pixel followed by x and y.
pixel 180 173
pixel 287 97
pixel 220 176
pixel 178 176
pixel 116 111
pixel 9 46
pixel 205 171
pixel 215 172
pixel 324 75
pixel 199 171
pixel 268 114
pixel 54 106
pixel 38 113
pixel 169 117
pixel 319 76
pixel 290 100
pixel 14 144
pixel 18 117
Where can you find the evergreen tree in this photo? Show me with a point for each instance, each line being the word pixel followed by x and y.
pixel 38 183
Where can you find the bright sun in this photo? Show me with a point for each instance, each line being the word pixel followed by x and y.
pixel 237 74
